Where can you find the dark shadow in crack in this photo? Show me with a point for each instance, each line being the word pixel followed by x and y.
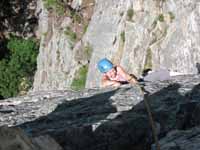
pixel 74 124
pixel 70 123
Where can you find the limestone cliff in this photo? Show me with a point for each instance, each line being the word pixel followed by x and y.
pixel 62 51
pixel 142 34
pixel 137 34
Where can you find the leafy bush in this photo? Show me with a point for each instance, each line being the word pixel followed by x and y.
pixel 23 54
pixel 56 5
pixel 20 64
pixel 79 80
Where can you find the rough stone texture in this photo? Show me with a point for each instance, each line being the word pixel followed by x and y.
pixel 160 34
pixel 110 118
pixel 16 139
pixel 181 140
pixel 104 33
pixel 57 63
pixel 16 111
pixel 55 55
pixel 137 34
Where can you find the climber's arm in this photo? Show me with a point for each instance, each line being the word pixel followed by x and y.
pixel 107 82
pixel 129 78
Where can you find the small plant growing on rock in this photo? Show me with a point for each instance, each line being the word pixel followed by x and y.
pixel 130 14
pixel 88 50
pixel 122 35
pixel 161 18
pixel 79 80
pixel 172 16
pixel 75 16
pixel 55 5
pixel 148 59
pixel 71 34
pixel 85 28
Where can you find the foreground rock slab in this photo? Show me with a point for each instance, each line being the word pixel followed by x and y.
pixel 17 139
pixel 107 119
pixel 181 140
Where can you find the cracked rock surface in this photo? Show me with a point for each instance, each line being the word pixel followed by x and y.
pixel 110 118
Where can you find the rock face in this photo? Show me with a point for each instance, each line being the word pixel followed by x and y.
pixel 137 34
pixel 55 56
pixel 142 34
pixel 15 138
pixel 61 49
pixel 110 119
pixel 183 140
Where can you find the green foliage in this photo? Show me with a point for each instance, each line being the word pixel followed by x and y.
pixel 20 64
pixel 172 16
pixel 44 33
pixel 130 13
pixel 85 28
pixel 79 80
pixel 55 5
pixel 122 35
pixel 148 60
pixel 25 84
pixel 161 18
pixel 76 16
pixel 70 34
pixel 88 50
pixel 23 54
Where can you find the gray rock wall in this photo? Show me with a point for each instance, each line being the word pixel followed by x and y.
pixel 136 34
pixel 157 34
pixel 183 140
pixel 55 64
pixel 61 55
pixel 15 138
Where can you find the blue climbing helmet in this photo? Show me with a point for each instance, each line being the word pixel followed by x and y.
pixel 104 65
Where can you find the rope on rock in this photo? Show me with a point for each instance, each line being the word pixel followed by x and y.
pixel 151 120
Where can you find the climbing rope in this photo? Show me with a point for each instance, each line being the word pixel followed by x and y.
pixel 147 106
pixel 151 120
